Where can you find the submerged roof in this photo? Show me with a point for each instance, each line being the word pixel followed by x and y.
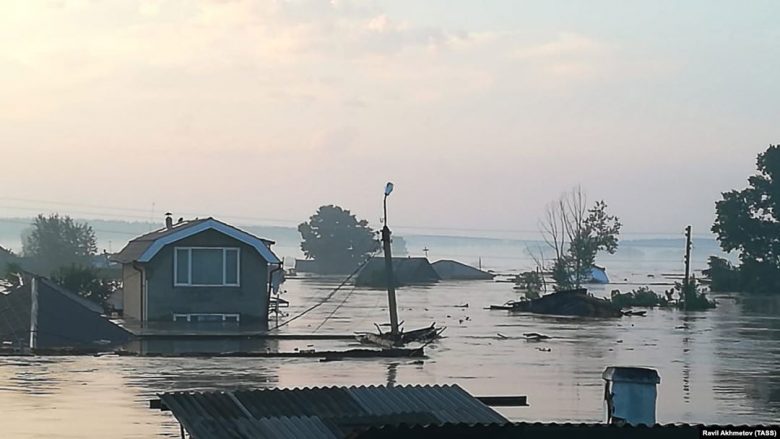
pixel 63 319
pixel 454 270
pixel 325 412
pixel 406 271
pixel 145 247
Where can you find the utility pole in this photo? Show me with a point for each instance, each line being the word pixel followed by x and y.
pixel 687 279
pixel 390 278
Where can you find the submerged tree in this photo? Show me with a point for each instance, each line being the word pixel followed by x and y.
pixel 748 221
pixel 576 234
pixel 336 239
pixel 58 241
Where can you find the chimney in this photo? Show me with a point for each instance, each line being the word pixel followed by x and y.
pixel 168 221
pixel 630 394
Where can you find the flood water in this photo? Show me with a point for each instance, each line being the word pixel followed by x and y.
pixel 718 366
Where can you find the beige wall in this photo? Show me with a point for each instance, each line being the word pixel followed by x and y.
pixel 131 285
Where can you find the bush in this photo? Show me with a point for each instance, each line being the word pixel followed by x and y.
pixel 641 297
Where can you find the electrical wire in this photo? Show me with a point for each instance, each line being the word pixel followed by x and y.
pixel 326 298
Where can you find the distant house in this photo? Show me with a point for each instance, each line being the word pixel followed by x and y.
pixel 306 266
pixel 407 271
pixel 201 270
pixel 454 270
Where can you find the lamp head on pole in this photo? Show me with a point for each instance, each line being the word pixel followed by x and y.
pixel 388 188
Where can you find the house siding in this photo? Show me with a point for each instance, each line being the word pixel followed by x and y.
pixel 249 299
pixel 131 292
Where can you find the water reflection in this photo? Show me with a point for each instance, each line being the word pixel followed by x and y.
pixel 392 374
pixel 173 346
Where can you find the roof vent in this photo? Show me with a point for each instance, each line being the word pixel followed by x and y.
pixel 168 221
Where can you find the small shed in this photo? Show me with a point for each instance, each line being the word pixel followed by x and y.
pixel 630 394
pixel 448 269
pixel 407 271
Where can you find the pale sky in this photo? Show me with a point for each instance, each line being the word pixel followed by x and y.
pixel 479 112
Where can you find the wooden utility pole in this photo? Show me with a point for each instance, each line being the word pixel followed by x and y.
pixel 34 313
pixel 389 276
pixel 687 279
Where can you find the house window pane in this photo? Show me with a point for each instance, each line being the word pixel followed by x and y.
pixel 182 266
pixel 231 266
pixel 207 266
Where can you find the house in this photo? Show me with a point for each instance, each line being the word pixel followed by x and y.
pixel 306 266
pixel 407 271
pixel 37 314
pixel 454 270
pixel 196 271
pixel 322 412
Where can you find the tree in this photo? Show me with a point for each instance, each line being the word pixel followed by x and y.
pixel 337 240
pixel 58 241
pixel 87 282
pixel 748 221
pixel 723 275
pixel 576 234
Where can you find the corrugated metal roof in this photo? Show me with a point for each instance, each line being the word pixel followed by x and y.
pixel 340 410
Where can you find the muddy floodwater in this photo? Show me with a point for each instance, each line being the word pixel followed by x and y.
pixel 719 366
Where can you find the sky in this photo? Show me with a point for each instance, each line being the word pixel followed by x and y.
pixel 481 113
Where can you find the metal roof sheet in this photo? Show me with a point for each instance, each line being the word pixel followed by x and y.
pixel 339 410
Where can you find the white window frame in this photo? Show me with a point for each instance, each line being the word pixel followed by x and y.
pixel 224 316
pixel 176 281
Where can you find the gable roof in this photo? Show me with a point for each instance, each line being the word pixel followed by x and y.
pixel 63 319
pixel 145 247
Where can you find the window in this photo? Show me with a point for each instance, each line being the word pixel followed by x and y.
pixel 206 318
pixel 206 266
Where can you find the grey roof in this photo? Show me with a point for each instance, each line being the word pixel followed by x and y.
pixel 323 412
pixel 64 320
pixel 138 247
pixel 449 269
pixel 407 271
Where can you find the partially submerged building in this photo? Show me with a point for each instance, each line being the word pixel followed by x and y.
pixel 407 271
pixel 37 314
pixel 196 271
pixel 453 270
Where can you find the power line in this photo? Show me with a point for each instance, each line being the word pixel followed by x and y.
pixel 326 298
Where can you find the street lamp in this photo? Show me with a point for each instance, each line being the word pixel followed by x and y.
pixel 389 277
pixel 388 191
